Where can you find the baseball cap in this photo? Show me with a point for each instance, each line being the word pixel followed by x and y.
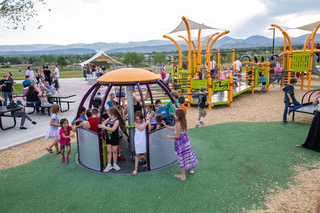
pixel 203 88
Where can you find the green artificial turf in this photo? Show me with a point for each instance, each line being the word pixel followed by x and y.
pixel 238 164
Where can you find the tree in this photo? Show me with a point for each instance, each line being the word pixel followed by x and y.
pixel 39 61
pixel 159 57
pixel 133 58
pixel 15 13
pixel 62 62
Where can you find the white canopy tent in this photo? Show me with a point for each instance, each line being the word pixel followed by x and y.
pixel 101 57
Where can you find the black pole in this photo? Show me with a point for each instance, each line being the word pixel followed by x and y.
pixel 273 41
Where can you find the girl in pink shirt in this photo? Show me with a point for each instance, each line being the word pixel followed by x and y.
pixel 222 75
pixel 65 136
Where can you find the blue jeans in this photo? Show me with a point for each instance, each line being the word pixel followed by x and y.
pixel 36 103
pixel 6 95
pixel 297 105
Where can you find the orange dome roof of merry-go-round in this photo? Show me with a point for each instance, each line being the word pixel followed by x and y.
pixel 128 75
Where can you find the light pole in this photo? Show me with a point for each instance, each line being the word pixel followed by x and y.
pixel 272 28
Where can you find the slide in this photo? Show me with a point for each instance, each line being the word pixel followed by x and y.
pixel 315 70
pixel 279 75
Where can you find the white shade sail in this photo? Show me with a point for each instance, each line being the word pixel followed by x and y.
pixel 308 27
pixel 192 25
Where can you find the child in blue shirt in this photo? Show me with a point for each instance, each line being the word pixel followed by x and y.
pixel 263 81
pixel 162 110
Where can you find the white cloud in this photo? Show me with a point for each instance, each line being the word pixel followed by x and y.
pixel 88 21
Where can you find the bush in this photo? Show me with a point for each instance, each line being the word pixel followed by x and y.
pixel 5 66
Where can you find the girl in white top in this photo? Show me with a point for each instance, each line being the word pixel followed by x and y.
pixel 140 138
pixel 44 100
pixel 53 131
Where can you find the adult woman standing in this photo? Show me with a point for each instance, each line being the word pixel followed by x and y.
pixel 313 140
pixel 7 88
pixel 32 97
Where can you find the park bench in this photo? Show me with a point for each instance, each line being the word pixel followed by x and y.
pixel 307 104
pixel 37 107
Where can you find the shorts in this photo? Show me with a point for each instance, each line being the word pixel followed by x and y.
pixel 263 83
pixel 202 112
pixel 66 145
pixel 112 141
pixel 122 94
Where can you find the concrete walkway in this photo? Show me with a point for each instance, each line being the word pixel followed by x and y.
pixel 15 136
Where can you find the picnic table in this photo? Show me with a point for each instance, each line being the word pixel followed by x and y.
pixel 59 99
pixel 4 112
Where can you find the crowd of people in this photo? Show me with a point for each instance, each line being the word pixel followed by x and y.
pixel 36 87
pixel 92 70
pixel 113 128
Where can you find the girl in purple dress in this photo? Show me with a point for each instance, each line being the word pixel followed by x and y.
pixel 185 155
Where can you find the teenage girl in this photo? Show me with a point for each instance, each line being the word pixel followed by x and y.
pixel 65 138
pixel 140 138
pixel 53 132
pixel 185 155
pixel 112 137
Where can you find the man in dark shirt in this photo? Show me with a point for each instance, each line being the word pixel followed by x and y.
pixel 289 99
pixel 6 87
pixel 47 74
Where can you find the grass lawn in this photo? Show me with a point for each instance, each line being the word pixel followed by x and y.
pixel 63 73
pixel 239 164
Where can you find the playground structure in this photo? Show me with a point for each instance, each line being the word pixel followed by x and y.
pixel 92 153
pixel 188 82
pixel 300 61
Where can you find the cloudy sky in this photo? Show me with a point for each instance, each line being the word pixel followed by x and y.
pixel 88 21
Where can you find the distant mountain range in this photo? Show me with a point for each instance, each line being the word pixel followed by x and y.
pixel 144 46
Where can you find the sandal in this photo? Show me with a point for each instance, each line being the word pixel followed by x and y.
pixel 57 153
pixel 179 177
pixel 134 173
pixel 49 150
pixel 190 171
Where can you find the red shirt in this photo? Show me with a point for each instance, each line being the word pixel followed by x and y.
pixel 94 121
pixel 182 106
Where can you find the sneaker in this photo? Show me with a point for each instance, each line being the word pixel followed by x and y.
pixel 62 159
pixel 108 168
pixel 290 110
pixel 66 159
pixel 22 127
pixel 201 122
pixel 121 158
pixel 33 122
pixel 98 93
pixel 116 167
pixel 197 125
pixel 284 122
